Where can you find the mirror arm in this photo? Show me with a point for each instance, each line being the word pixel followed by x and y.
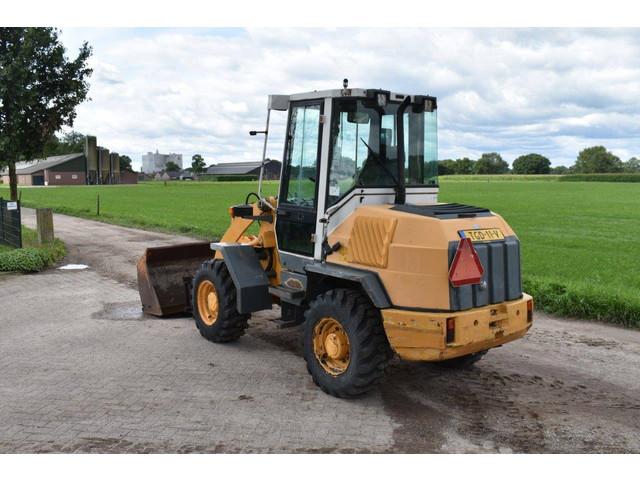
pixel 264 157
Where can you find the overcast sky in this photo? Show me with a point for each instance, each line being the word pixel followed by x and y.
pixel 513 91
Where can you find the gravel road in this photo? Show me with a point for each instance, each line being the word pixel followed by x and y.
pixel 84 370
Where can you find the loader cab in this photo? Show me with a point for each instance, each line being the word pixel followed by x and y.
pixel 342 150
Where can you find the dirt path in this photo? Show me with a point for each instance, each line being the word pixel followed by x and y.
pixel 569 386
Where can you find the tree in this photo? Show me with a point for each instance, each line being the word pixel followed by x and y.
pixel 491 163
pixel 125 164
pixel 71 142
pixel 40 89
pixel 559 170
pixel 597 160
pixel 464 166
pixel 531 164
pixel 172 167
pixel 447 167
pixel 197 164
pixel 632 165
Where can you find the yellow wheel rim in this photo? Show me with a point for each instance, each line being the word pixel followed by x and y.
pixel 331 346
pixel 207 302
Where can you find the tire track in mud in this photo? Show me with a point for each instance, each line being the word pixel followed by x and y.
pixel 484 409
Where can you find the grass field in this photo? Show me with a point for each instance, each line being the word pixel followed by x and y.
pixel 579 240
pixel 195 208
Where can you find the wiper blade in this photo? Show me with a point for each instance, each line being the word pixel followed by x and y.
pixel 377 158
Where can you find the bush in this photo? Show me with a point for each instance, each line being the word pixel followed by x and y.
pixel 23 260
pixel 601 177
pixel 32 258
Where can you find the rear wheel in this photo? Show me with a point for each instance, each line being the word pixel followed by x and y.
pixel 345 346
pixel 462 362
pixel 214 304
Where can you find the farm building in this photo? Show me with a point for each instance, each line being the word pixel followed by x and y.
pixel 96 165
pixel 271 169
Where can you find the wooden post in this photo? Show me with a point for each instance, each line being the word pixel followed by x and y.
pixel 98 205
pixel 44 217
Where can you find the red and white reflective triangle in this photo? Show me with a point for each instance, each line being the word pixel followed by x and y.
pixel 466 268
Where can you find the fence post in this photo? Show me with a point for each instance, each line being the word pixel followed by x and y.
pixel 20 222
pixel 2 224
pixel 44 217
pixel 98 205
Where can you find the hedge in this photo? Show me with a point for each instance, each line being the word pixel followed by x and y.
pixel 601 177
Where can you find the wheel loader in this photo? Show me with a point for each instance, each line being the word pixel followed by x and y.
pixel 355 247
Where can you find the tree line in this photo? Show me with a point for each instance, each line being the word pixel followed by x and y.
pixel 590 160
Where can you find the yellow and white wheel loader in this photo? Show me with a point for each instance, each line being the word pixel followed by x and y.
pixel 355 246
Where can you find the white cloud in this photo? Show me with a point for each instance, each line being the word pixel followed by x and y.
pixel 506 90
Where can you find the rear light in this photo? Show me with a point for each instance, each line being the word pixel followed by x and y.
pixel 451 329
pixel 466 268
pixel 529 311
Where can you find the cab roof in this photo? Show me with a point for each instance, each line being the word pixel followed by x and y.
pixel 277 102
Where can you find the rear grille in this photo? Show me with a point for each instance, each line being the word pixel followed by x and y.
pixel 502 277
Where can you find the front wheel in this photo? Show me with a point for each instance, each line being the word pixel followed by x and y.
pixel 214 304
pixel 345 345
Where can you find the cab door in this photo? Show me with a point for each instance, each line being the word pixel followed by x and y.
pixel 298 198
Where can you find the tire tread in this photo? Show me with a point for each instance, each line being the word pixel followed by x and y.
pixel 230 325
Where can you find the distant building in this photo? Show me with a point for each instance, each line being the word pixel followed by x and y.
pixel 271 169
pixel 96 165
pixel 157 162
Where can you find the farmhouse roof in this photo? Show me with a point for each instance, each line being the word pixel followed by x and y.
pixel 27 168
pixel 235 168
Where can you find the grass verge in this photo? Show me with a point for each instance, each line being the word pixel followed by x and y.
pixel 32 257
pixel 584 302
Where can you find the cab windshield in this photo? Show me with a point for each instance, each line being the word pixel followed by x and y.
pixel 364 145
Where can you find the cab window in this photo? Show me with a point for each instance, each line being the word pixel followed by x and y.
pixel 302 155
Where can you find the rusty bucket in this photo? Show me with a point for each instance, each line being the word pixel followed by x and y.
pixel 164 276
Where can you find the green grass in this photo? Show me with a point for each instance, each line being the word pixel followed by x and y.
pixel 579 239
pixel 199 209
pixel 33 257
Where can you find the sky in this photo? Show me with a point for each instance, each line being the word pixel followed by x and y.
pixel 512 91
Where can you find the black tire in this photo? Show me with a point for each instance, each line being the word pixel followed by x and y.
pixel 229 324
pixel 369 351
pixel 463 362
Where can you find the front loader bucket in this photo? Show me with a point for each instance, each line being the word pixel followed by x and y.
pixel 164 276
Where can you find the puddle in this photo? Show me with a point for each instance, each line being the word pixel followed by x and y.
pixel 120 311
pixel 74 266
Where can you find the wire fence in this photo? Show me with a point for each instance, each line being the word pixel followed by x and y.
pixel 10 223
